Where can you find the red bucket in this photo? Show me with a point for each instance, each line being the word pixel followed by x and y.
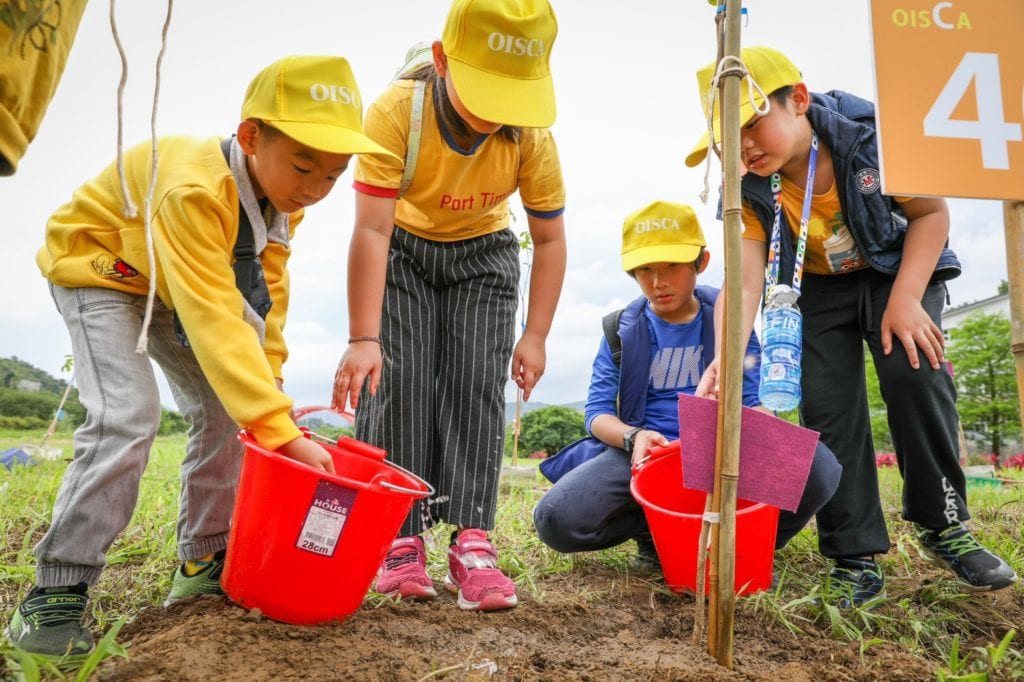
pixel 305 545
pixel 675 514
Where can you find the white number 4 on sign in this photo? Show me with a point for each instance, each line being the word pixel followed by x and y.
pixel 990 129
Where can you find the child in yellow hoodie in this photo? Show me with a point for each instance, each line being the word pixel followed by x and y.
pixel 224 213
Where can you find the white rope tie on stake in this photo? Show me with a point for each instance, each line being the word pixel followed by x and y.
pixel 711 517
pixel 740 69
pixel 143 342
pixel 130 210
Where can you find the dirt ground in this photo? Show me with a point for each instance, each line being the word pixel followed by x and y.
pixel 591 624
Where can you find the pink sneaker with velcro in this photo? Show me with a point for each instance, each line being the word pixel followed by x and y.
pixel 404 571
pixel 473 572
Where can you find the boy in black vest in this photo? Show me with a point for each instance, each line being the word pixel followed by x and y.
pixel 870 268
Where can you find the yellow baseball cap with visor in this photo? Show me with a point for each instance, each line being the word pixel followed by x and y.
pixel 662 232
pixel 315 101
pixel 498 54
pixel 769 68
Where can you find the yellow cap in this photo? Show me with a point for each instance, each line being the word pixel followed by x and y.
pixel 498 53
pixel 663 232
pixel 314 101
pixel 769 68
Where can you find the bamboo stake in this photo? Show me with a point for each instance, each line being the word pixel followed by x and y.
pixel 56 415
pixel 730 398
pixel 714 504
pixel 1013 219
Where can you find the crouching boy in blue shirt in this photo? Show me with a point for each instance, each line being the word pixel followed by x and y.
pixel 667 338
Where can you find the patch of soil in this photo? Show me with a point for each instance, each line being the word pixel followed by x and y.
pixel 594 624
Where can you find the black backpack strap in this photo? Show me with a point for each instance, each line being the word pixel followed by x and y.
pixel 610 324
pixel 248 269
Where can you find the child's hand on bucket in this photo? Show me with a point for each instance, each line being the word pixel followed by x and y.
pixel 309 453
pixel 643 441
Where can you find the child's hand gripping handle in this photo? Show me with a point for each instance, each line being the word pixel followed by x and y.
pixel 656 452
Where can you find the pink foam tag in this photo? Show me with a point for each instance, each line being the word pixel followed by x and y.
pixel 775 456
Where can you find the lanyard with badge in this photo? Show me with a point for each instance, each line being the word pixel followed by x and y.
pixel 781 320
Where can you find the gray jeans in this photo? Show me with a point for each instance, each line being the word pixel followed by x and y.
pixel 118 388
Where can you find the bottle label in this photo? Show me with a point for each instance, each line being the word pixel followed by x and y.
pixel 782 326
pixel 781 330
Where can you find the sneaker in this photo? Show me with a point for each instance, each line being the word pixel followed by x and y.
pixel 404 571
pixel 205 581
pixel 49 622
pixel 955 549
pixel 473 572
pixel 647 560
pixel 853 583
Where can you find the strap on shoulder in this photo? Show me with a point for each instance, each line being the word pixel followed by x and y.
pixel 415 129
pixel 610 324
pixel 245 243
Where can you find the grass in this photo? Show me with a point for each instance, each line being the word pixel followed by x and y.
pixel 924 612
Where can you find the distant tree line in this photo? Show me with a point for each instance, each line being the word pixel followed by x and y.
pixel 34 410
pixel 547 429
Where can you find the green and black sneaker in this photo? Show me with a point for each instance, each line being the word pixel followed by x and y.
pixel 196 578
pixel 49 622
pixel 955 549
pixel 855 583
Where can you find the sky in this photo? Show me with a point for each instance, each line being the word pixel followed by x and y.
pixel 628 112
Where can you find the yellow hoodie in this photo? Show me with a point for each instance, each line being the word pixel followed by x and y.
pixel 35 39
pixel 90 243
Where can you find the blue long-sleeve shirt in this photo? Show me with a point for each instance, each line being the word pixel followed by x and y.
pixel 677 361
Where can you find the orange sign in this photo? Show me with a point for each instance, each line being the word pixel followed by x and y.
pixel 950 91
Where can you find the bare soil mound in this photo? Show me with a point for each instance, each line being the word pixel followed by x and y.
pixel 594 624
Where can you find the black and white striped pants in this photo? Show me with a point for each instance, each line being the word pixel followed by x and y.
pixel 447 328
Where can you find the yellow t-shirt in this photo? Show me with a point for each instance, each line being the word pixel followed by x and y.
pixel 830 246
pixel 457 194
pixel 36 38
pixel 89 243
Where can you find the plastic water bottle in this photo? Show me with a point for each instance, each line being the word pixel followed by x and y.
pixel 781 334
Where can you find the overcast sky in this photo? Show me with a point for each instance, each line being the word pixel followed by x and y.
pixel 628 112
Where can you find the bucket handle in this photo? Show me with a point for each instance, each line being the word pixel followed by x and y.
pixel 409 491
pixel 356 447
pixel 656 452
pixel 361 448
pixel 351 444
pixel 430 492
pixel 301 412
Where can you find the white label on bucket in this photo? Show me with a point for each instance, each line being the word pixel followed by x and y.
pixel 326 518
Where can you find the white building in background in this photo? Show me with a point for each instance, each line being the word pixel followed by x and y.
pixel 952 317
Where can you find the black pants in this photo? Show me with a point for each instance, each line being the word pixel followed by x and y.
pixel 840 313
pixel 591 508
pixel 448 327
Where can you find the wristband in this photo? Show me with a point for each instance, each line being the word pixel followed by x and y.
pixel 374 339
